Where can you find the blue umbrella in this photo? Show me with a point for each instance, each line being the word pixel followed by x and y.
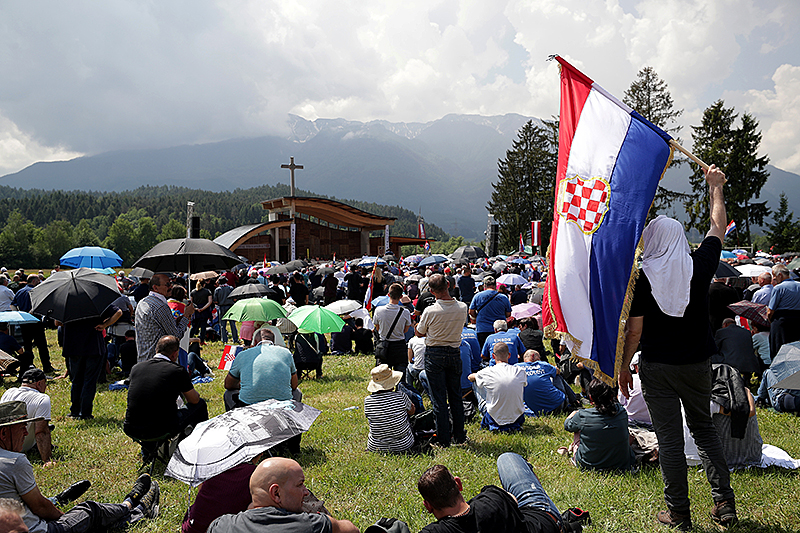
pixel 434 260
pixel 520 261
pixel 17 317
pixel 369 261
pixel 91 257
pixel 380 300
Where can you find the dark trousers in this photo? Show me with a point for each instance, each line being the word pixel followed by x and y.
pixel 33 334
pixel 93 516
pixel 84 372
pixel 665 388
pixel 192 415
pixel 443 370
pixel 785 328
pixel 396 356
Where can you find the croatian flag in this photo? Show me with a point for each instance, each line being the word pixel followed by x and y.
pixel 730 228
pixel 610 160
pixel 228 355
pixel 521 244
pixel 368 295
pixel 427 247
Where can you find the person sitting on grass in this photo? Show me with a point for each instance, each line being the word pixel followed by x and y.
pixel 277 488
pixel 601 432
pixel 499 390
pixel 387 411
pixel 41 515
pixel 363 338
pixel 522 505
pixel 32 392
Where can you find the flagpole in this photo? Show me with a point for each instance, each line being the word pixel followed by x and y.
pixel 688 154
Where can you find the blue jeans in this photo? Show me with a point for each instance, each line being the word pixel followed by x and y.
pixel 665 389
pixel 443 369
pixel 517 477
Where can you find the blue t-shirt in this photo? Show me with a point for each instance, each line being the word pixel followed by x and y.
pixel 515 346
pixel 466 364
pixel 265 372
pixel 469 335
pixel 785 295
pixel 540 395
pixel 495 308
pixel 22 300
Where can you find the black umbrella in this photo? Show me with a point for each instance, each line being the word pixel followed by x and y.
pixel 278 269
pixel 324 271
pixel 297 264
pixel 188 255
pixel 248 290
pixel 74 295
pixel 469 252
pixel 142 273
pixel 724 270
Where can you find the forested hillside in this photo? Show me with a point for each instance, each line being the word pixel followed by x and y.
pixel 40 226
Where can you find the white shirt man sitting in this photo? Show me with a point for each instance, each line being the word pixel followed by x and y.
pixel 32 392
pixel 499 390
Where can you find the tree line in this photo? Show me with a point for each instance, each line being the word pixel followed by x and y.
pixel 525 185
pixel 39 226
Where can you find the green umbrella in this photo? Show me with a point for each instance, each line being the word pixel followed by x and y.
pixel 257 309
pixel 317 319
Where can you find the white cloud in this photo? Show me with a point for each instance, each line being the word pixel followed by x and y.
pixel 18 150
pixel 125 74
pixel 778 113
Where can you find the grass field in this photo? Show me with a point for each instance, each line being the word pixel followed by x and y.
pixel 362 486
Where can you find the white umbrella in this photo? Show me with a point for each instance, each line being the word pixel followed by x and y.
pixel 752 271
pixel 343 307
pixel 231 438
pixel 512 279
pixel 364 315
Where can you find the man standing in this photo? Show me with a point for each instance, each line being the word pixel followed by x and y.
pixel 499 390
pixel 488 306
pixel 521 505
pixel 671 297
pixel 277 488
pixel 466 285
pixel 391 323
pixel 783 310
pixel 142 289
pixel 154 318
pixel 31 333
pixel 41 515
pixel 154 388
pixel 762 295
pixel 224 305
pixel 32 392
pixel 441 324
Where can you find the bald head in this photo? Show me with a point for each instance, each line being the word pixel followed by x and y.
pixel 278 482
pixel 531 356
pixel 765 278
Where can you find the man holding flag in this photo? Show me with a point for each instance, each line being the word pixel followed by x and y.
pixel 672 293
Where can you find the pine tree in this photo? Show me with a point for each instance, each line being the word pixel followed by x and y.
pixel 784 232
pixel 735 151
pixel 525 190
pixel 649 95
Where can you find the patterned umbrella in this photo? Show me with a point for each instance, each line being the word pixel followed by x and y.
pixel 754 312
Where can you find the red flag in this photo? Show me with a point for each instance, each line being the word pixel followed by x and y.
pixel 521 243
pixel 368 296
pixel 536 233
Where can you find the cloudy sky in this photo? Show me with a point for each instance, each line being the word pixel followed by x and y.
pixel 85 77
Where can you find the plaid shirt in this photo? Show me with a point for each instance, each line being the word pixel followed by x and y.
pixel 154 320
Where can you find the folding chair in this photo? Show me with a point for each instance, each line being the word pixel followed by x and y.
pixel 155 450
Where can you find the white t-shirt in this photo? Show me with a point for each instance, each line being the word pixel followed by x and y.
pixel 503 385
pixel 635 405
pixel 417 346
pixel 38 404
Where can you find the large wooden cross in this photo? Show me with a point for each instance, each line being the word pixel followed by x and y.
pixel 291 166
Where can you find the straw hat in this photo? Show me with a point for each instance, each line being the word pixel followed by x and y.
pixel 16 412
pixel 384 378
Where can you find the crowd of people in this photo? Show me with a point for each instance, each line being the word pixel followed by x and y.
pixel 453 334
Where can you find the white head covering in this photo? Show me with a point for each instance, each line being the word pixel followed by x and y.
pixel 667 264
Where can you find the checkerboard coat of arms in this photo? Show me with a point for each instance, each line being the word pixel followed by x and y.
pixel 584 202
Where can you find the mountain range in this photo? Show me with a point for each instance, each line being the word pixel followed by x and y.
pixel 443 169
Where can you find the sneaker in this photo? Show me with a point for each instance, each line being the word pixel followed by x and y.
pixel 150 501
pixel 140 488
pixel 724 513
pixel 681 522
pixel 73 492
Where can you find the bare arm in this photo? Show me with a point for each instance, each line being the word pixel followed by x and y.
pixel 716 200
pixel 192 396
pixel 294 382
pixel 41 506
pixel 110 321
pixel 231 383
pixel 43 440
pixel 342 526
pixel 633 332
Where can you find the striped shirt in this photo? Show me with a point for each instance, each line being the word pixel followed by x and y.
pixel 389 428
pixel 154 319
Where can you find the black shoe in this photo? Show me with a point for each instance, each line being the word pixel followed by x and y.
pixel 140 488
pixel 49 370
pixel 150 500
pixel 73 492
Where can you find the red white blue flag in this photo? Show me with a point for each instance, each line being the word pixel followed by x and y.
pixel 228 355
pixel 368 295
pixel 730 228
pixel 427 247
pixel 521 243
pixel 610 160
